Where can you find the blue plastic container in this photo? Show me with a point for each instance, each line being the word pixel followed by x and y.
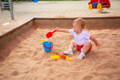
pixel 35 1
pixel 47 46
pixel 94 4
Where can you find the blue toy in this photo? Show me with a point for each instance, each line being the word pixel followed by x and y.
pixel 35 1
pixel 47 46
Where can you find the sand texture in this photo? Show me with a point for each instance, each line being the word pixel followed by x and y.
pixel 24 58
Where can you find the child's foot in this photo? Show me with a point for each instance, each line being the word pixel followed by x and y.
pixel 68 52
pixel 81 56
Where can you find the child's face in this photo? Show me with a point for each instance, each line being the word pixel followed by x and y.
pixel 77 26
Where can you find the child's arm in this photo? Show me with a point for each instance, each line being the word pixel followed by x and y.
pixel 61 30
pixel 95 41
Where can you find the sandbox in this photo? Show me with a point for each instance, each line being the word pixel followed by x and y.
pixel 22 56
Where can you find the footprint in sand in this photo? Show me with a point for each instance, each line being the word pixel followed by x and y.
pixel 117 54
pixel 108 65
pixel 3 77
pixel 1 74
pixel 14 73
pixel 111 75
pixel 88 77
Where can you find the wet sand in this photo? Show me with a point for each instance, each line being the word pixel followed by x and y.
pixel 24 58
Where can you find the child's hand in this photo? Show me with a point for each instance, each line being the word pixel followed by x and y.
pixel 55 29
pixel 59 30
pixel 95 41
pixel 98 45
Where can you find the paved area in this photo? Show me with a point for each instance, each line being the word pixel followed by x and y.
pixel 25 10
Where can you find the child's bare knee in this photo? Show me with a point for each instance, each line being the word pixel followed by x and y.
pixel 87 44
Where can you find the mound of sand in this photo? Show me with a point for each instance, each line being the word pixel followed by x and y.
pixel 24 58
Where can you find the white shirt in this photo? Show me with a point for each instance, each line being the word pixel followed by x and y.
pixel 80 39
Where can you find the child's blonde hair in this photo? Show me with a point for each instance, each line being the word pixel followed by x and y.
pixel 80 22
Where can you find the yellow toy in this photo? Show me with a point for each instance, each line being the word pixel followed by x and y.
pixel 58 56
pixel 42 41
pixel 90 6
pixel 99 4
pixel 55 56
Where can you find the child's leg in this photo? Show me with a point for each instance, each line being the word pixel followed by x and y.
pixel 84 50
pixel 86 47
pixel 70 49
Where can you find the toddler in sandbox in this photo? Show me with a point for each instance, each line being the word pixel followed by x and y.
pixel 82 38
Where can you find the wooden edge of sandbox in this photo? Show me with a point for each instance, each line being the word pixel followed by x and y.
pixel 92 23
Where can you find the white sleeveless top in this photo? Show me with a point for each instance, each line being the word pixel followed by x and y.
pixel 80 39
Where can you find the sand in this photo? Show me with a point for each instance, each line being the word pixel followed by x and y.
pixel 24 58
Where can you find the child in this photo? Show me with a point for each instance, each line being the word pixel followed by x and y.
pixel 82 39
